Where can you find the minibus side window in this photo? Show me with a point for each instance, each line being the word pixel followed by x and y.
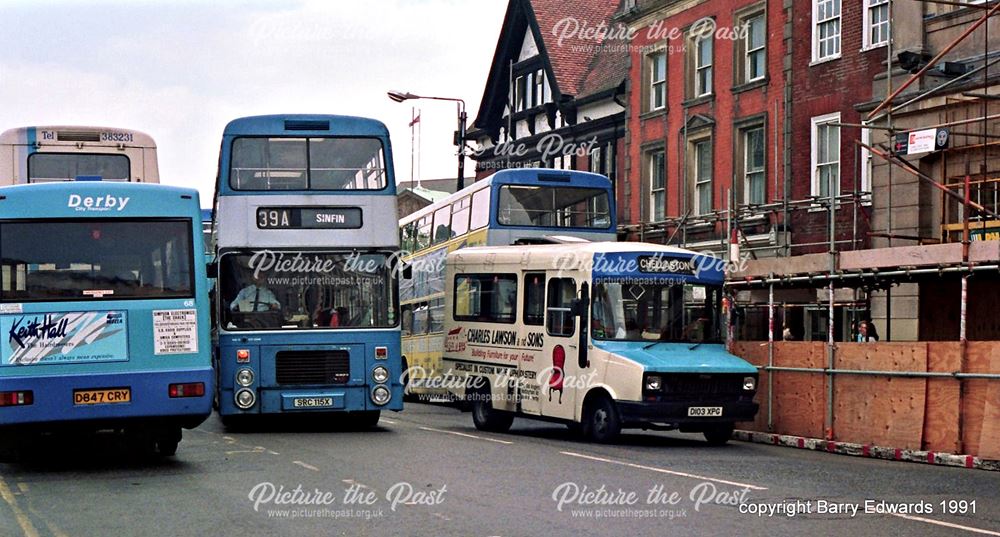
pixel 485 298
pixel 534 298
pixel 559 313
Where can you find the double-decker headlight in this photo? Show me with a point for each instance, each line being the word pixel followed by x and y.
pixel 380 374
pixel 749 384
pixel 244 377
pixel 381 395
pixel 245 399
pixel 654 383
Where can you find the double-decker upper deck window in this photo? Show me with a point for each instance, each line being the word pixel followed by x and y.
pixel 96 259
pixel 49 167
pixel 307 164
pixel 545 206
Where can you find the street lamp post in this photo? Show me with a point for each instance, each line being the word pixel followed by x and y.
pixel 400 96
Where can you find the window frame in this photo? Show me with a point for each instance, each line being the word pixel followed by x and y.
pixel 868 6
pixel 480 318
pixel 548 307
pixel 698 68
pixel 815 185
pixel 748 52
pixel 655 87
pixel 697 180
pixel 533 320
pixel 818 40
pixel 745 133
pixel 651 158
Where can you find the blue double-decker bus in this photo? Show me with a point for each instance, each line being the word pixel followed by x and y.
pixel 306 244
pixel 104 312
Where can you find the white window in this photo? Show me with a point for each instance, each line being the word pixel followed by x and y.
pixel 754 45
pixel 519 94
pixel 539 93
pixel 866 161
pixel 826 29
pixel 657 185
pixel 657 80
pixel 753 166
pixel 876 23
pixel 702 177
pixel 825 155
pixel 703 66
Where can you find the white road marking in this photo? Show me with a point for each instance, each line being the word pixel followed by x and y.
pixel 456 433
pixel 946 524
pixel 662 470
pixel 390 422
pixel 22 519
pixel 306 466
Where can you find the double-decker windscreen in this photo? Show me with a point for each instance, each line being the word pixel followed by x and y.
pixel 49 167
pixel 272 289
pixel 553 206
pixel 307 164
pixel 655 309
pixel 90 259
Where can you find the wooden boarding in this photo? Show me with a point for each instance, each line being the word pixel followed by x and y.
pixel 881 410
pixel 942 404
pixel 983 401
pixel 799 398
pixel 755 352
pixel 799 264
pixel 901 256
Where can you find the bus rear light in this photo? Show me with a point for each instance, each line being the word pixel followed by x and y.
pixel 381 353
pixel 192 389
pixel 17 398
pixel 243 356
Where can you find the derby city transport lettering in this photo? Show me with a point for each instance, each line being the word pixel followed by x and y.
pixel 99 203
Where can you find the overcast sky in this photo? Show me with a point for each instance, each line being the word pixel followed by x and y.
pixel 180 70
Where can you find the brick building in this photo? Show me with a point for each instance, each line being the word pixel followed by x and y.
pixel 705 121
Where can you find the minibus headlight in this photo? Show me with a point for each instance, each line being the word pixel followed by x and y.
pixel 749 384
pixel 245 399
pixel 381 395
pixel 654 383
pixel 380 374
pixel 244 377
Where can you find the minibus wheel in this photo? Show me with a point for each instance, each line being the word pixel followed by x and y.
pixel 720 434
pixel 601 423
pixel 485 417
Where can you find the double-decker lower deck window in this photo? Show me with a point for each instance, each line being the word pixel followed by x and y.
pixel 89 259
pixel 545 206
pixel 287 289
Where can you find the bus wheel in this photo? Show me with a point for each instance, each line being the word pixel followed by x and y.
pixel 485 417
pixel 600 420
pixel 167 440
pixel 720 434
pixel 366 419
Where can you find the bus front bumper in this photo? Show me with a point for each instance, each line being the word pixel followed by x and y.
pixel 676 414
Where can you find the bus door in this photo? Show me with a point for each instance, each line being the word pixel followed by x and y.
pixel 558 370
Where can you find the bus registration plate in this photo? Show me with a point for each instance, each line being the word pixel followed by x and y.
pixel 704 411
pixel 101 397
pixel 312 402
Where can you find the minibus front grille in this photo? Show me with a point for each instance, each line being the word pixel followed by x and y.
pixel 703 385
pixel 312 367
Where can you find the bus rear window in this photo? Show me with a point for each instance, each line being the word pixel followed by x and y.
pixel 560 207
pixel 307 164
pixel 95 259
pixel 50 167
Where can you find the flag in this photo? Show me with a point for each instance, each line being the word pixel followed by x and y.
pixel 415 120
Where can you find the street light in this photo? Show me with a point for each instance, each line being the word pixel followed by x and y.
pixel 400 96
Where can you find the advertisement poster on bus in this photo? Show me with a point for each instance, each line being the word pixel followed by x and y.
pixel 64 338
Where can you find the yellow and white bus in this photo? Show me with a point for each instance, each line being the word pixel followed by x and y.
pixel 527 205
pixel 63 153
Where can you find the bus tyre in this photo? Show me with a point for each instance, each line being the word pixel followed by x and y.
pixel 720 434
pixel 601 423
pixel 485 417
pixel 367 419
pixel 167 440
